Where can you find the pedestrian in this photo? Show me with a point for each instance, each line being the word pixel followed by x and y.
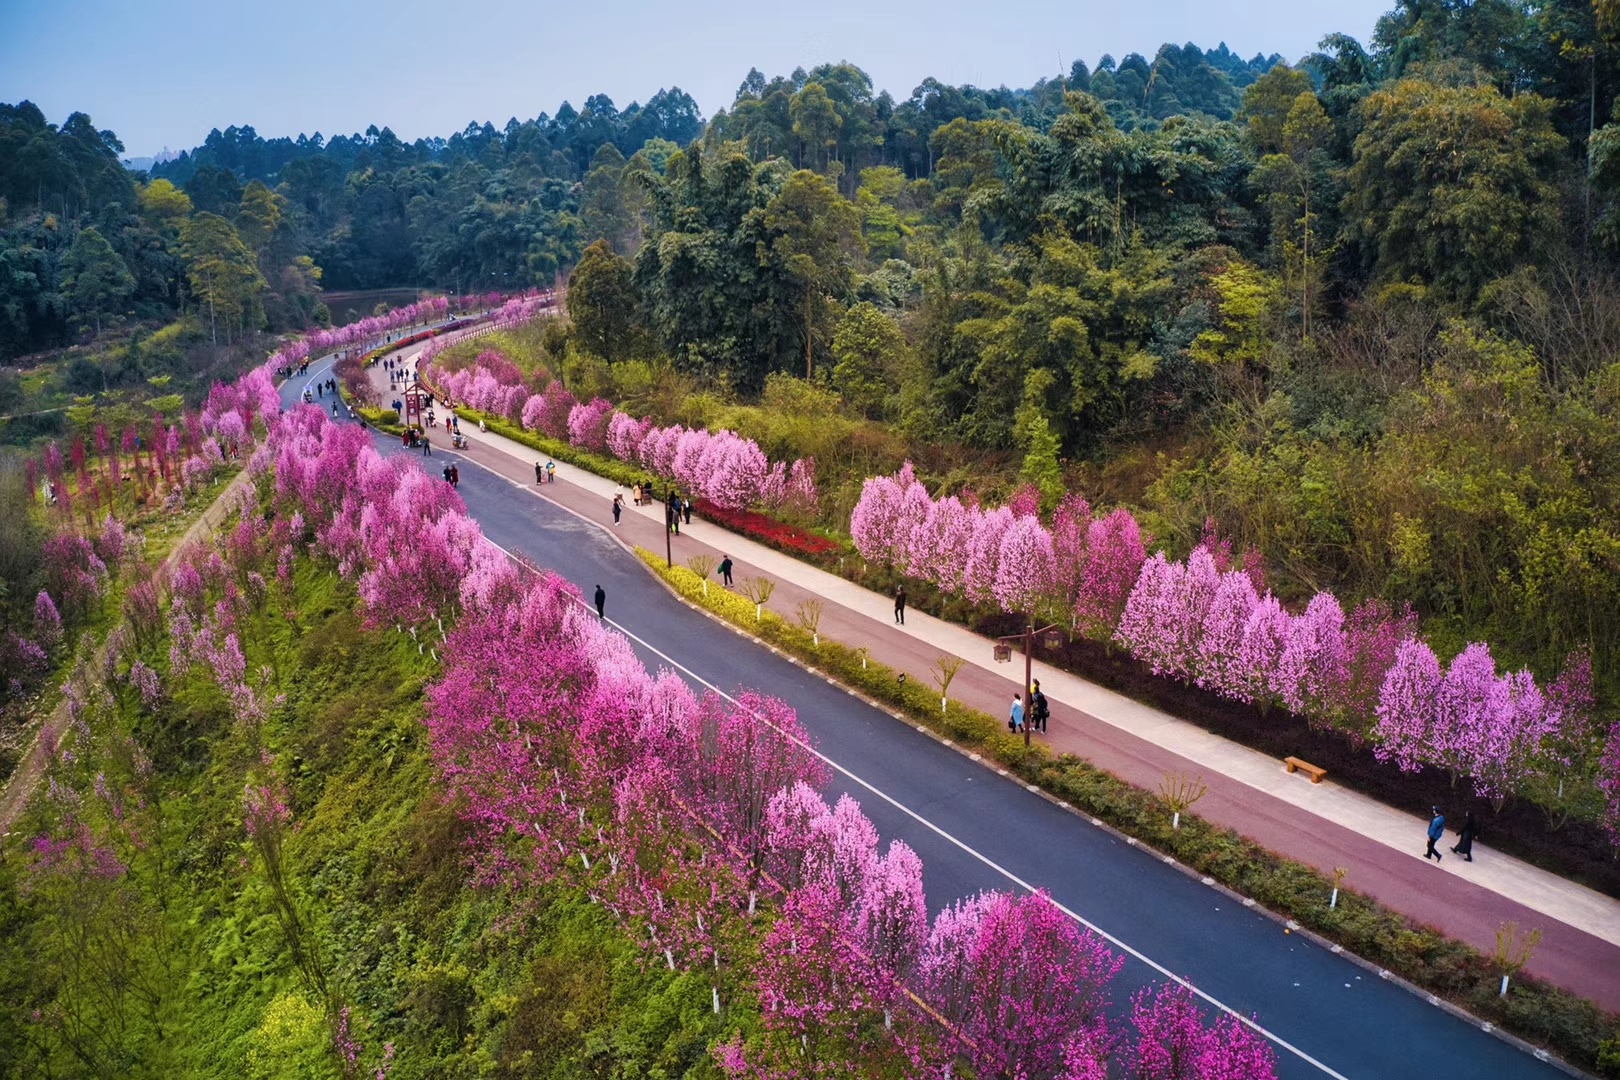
pixel 1015 719
pixel 1465 837
pixel 635 492
pixel 334 410
pixel 455 476
pixel 618 506
pixel 551 472
pixel 446 471
pixel 601 602
pixel 618 492
pixel 1437 829
pixel 900 605
pixel 686 506
pixel 1038 709
pixel 427 450
pixel 725 570
pixel 539 473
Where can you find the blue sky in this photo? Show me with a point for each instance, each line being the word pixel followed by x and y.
pixel 164 74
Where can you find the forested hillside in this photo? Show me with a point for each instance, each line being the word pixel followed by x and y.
pixel 1361 309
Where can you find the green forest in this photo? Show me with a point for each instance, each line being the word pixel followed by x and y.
pixel 1361 309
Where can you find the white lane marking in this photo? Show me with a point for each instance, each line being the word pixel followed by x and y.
pixel 986 860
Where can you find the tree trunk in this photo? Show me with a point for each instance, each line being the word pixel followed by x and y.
pixel 809 358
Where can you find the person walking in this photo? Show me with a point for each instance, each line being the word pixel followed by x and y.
pixel 1465 837
pixel 1437 829
pixel 635 492
pixel 1015 719
pixel 900 605
pixel 601 601
pixel 455 476
pixel 1038 709
pixel 446 472
pixel 725 570
pixel 686 506
pixel 551 472
pixel 618 506
pixel 427 448
pixel 539 473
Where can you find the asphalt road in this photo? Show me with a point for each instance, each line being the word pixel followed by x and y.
pixel 976 830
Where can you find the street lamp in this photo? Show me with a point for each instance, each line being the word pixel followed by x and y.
pixel 1051 638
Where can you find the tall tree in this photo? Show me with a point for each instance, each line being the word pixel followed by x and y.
pixel 224 275
pixel 1453 184
pixel 98 281
pixel 815 238
pixel 602 303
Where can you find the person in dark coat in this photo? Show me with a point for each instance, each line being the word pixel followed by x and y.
pixel 601 601
pixel 725 570
pixel 1437 829
pixel 539 473
pixel 1465 837
pixel 1038 709
pixel 900 605
pixel 618 507
pixel 686 509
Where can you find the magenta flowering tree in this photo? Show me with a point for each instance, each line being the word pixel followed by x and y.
pixel 740 756
pixel 1468 695
pixel 625 435
pixel 1071 522
pixel 1018 980
pixel 1609 783
pixel 938 548
pixel 1315 660
pixel 588 424
pixel 983 566
pixel 1164 617
pixel 1407 705
pixel 1220 663
pixel 47 621
pixel 1265 636
pixel 554 414
pixel 1024 568
pixel 891 921
pixel 1373 633
pixel 1567 748
pixel 878 525
pixel 731 471
pixel 1115 554
pixel 1172 1042
pixel 802 494
pixel 1509 736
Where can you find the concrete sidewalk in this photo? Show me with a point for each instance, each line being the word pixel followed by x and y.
pixel 1323 825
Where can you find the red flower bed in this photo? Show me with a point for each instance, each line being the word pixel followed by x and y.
pixel 767 530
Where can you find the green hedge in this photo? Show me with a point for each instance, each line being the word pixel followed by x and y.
pixel 1565 1024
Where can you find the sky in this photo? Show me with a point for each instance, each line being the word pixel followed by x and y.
pixel 164 74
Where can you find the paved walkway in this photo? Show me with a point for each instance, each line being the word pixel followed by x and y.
pixel 1323 825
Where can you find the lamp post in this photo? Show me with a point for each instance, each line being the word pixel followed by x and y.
pixel 1003 654
pixel 669 557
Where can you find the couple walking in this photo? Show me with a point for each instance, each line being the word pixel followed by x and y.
pixel 1037 713
pixel 1465 836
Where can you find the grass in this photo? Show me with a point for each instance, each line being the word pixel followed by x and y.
pixel 1565 1024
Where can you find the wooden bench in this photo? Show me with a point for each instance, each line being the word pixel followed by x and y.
pixel 1315 772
